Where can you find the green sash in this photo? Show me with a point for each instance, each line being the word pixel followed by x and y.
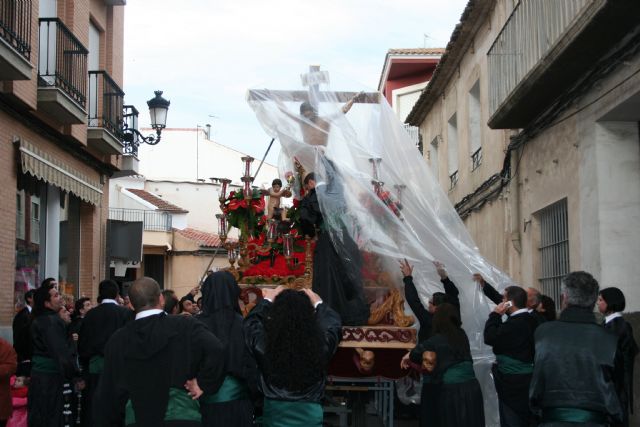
pixel 96 365
pixel 280 413
pixel 231 389
pixel 572 415
pixel 459 373
pixel 180 408
pixel 44 364
pixel 509 365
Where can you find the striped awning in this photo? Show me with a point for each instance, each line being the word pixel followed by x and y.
pixel 44 166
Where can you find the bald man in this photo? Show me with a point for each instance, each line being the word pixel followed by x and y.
pixel 149 363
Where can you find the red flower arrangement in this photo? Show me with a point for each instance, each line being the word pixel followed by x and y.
pixel 243 214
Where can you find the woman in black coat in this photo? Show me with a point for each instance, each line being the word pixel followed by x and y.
pixel 611 304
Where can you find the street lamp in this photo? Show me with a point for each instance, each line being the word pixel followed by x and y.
pixel 131 136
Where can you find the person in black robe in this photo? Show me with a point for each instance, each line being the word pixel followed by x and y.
pixel 232 404
pixel 447 357
pixel 513 345
pixel 53 362
pixel 157 366
pixel 22 336
pixel 337 260
pixel 611 303
pixel 98 326
pixel 81 308
pixel 431 386
pixel 292 335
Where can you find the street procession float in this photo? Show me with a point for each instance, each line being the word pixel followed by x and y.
pixel 379 205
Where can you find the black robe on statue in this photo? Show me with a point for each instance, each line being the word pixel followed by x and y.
pixel 221 315
pixel 147 358
pixel 337 261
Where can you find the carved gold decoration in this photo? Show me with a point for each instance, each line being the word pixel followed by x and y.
pixel 378 337
pixel 394 306
pixel 365 360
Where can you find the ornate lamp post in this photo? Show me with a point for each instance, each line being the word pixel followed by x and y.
pixel 131 136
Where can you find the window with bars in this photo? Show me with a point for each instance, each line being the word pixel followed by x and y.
pixel 554 248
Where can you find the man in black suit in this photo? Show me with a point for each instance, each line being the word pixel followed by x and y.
pixel 513 345
pixel 22 336
pixel 98 326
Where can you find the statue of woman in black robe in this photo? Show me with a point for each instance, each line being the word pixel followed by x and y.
pixel 337 261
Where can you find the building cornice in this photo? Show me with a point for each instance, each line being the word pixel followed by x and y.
pixel 473 17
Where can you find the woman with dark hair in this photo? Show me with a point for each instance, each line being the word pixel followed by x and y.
pixel 547 308
pixel 231 405
pixel 292 336
pixel 611 303
pixel 447 357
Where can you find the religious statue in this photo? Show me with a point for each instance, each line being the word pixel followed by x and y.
pixel 275 193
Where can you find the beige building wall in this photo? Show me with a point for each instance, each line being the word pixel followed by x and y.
pixel 589 155
pixel 489 225
pixel 187 269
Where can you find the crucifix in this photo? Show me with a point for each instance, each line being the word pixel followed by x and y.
pixel 315 129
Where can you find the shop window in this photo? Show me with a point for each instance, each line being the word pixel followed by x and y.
pixel 20 217
pixel 35 220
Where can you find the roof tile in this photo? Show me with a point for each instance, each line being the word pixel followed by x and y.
pixel 203 238
pixel 156 201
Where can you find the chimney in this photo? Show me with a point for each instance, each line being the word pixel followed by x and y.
pixel 208 131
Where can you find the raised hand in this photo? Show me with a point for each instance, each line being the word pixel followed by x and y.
pixel 406 268
pixel 440 268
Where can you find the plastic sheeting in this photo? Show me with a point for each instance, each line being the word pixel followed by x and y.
pixel 420 224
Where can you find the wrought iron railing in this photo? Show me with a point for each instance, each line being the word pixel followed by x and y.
pixel 105 103
pixel 453 180
pixel 130 122
pixel 532 30
pixel 15 25
pixel 62 61
pixel 152 220
pixel 476 159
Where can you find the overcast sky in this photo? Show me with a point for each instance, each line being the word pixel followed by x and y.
pixel 205 54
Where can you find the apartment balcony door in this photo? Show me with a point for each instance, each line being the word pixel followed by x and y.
pixel 93 64
pixel 46 60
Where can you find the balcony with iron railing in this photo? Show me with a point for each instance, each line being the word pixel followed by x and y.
pixel 105 111
pixel 152 220
pixel 15 39
pixel 62 73
pixel 544 48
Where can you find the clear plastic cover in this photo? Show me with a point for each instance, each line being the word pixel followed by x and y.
pixel 374 186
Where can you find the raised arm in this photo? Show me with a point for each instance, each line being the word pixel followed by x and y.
pixel 487 289
pixel 450 288
pixel 412 297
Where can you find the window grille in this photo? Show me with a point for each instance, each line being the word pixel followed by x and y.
pixel 554 248
pixel 476 159
pixel 453 180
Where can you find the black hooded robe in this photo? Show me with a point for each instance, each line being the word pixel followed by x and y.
pixel 147 362
pixel 53 365
pixel 221 315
